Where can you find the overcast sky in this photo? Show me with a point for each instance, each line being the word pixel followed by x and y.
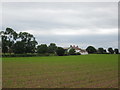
pixel 65 23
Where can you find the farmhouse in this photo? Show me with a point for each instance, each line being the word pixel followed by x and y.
pixel 77 49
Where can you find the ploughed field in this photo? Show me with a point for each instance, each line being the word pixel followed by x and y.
pixel 82 71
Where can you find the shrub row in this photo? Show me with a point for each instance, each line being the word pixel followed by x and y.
pixel 32 54
pixel 26 55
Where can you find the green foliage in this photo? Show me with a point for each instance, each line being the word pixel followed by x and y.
pixel 19 47
pixel 4 49
pixel 116 51
pixel 60 51
pixel 91 49
pixel 52 48
pixel 78 53
pixel 4 44
pixel 105 52
pixel 42 48
pixel 111 51
pixel 29 41
pixel 101 51
pixel 12 34
pixel 71 51
pixel 19 55
pixel 10 40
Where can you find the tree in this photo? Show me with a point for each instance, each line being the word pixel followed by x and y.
pixel 4 44
pixel 42 49
pixel 8 38
pixel 71 51
pixel 91 49
pixel 31 46
pixel 52 48
pixel 4 49
pixel 116 51
pixel 105 51
pixel 19 47
pixel 10 41
pixel 11 37
pixel 101 51
pixel 29 41
pixel 60 51
pixel 111 51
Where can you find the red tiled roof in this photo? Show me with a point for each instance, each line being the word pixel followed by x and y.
pixel 77 48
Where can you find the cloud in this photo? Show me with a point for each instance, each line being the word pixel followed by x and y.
pixel 73 32
pixel 64 19
pixel 53 15
pixel 82 41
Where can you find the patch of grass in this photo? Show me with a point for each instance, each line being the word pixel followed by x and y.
pixel 84 71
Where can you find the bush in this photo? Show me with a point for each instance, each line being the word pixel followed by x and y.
pixel 72 52
pixel 116 51
pixel 78 53
pixel 42 49
pixel 111 51
pixel 43 54
pixel 19 55
pixel 52 54
pixel 60 51
pixel 91 49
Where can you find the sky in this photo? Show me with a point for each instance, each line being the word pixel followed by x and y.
pixel 65 23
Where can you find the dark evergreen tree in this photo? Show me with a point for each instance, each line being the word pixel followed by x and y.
pixel 52 48
pixel 100 50
pixel 111 51
pixel 91 49
pixel 19 47
pixel 42 49
pixel 60 51
pixel 116 51
pixel 29 41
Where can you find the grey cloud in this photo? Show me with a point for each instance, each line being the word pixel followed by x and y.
pixel 47 16
pixel 89 15
pixel 82 41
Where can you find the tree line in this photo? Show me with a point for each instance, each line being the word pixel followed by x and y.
pixel 24 43
pixel 91 49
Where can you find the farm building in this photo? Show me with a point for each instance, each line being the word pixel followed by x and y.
pixel 77 49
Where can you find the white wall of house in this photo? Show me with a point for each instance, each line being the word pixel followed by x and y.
pixel 84 53
pixel 77 50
